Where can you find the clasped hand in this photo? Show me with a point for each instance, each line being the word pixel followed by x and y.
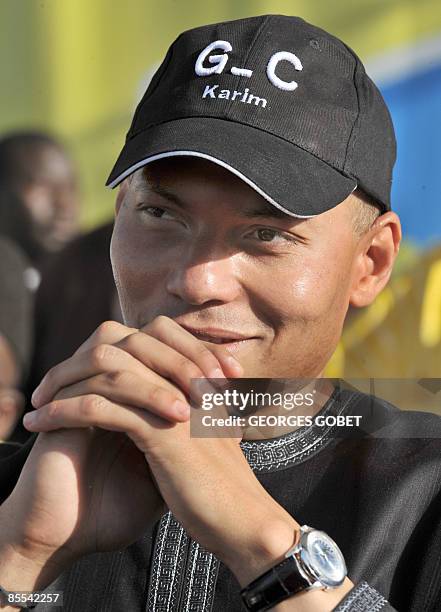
pixel 138 383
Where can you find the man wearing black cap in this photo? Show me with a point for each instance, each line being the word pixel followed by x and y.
pixel 254 208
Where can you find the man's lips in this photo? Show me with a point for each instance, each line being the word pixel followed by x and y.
pixel 217 336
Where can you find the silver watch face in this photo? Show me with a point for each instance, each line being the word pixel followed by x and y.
pixel 323 558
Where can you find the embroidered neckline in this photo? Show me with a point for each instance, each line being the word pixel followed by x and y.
pixel 297 446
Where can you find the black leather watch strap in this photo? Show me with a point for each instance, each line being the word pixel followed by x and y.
pixel 280 582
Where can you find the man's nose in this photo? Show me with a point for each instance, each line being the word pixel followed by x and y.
pixel 205 280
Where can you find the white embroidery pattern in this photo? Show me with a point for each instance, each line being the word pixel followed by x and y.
pixel 168 564
pixel 219 60
pixel 183 574
pixel 241 71
pixel 271 69
pixel 362 598
pixel 200 579
pixel 295 447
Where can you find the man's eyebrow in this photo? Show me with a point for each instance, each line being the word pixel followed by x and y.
pixel 163 192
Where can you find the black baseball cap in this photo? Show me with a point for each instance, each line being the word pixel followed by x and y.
pixel 282 104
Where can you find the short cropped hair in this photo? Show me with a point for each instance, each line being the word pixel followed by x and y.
pixel 365 211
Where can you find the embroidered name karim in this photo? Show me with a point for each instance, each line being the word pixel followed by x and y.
pixel 228 94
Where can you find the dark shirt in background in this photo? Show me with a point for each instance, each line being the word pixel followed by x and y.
pixel 15 303
pixel 76 294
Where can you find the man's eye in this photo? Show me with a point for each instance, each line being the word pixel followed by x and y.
pixel 267 234
pixel 154 211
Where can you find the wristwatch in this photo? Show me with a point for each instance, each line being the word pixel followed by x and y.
pixel 315 562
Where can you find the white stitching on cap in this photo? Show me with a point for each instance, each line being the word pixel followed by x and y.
pixel 221 60
pixel 148 160
pixel 241 71
pixel 271 69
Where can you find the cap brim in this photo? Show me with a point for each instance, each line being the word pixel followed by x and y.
pixel 287 176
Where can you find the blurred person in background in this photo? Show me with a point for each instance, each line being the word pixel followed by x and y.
pixel 16 225
pixel 39 215
pixel 39 208
pixel 79 279
pixel 15 334
pixel 36 171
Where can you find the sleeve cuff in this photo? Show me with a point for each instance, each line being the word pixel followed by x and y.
pixel 363 598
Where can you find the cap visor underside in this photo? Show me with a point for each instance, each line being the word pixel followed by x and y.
pixel 287 176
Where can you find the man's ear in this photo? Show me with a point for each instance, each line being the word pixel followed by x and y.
pixel 378 250
pixel 122 191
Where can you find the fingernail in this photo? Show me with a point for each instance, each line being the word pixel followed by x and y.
pixel 182 409
pixel 29 418
pixel 233 363
pixel 35 396
pixel 216 373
